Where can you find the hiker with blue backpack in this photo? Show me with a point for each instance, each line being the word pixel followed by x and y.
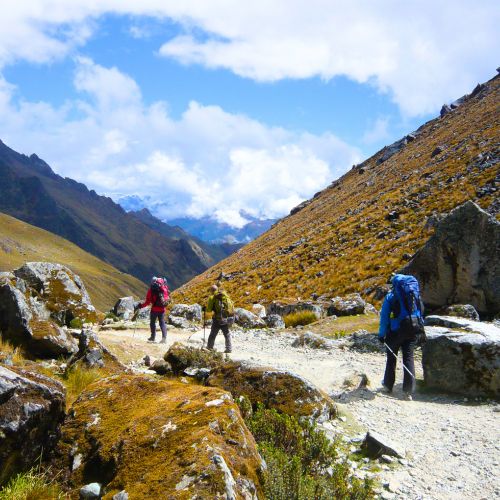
pixel 401 327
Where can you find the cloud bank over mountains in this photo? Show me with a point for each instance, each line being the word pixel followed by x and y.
pixel 210 161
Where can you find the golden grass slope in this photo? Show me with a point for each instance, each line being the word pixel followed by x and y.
pixel 343 240
pixel 20 242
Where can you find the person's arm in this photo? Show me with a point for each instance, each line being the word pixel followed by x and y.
pixel 149 300
pixel 385 315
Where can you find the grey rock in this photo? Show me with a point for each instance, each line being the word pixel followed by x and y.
pixel 346 306
pixel 89 491
pixel 123 495
pixel 161 367
pixel 274 321
pixel 179 322
pixel 124 308
pixel 463 311
pixel 32 408
pixel 247 319
pixel 282 309
pixel 389 151
pixel 259 310
pixel 313 341
pixel 191 312
pixel 364 341
pixel 437 150
pixel 446 109
pixel 460 263
pixel 375 445
pixel 462 362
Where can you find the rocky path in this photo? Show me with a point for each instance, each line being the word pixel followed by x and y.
pixel 452 444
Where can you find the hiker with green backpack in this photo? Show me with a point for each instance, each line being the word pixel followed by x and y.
pixel 401 327
pixel 223 316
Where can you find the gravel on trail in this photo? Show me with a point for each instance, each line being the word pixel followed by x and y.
pixel 452 443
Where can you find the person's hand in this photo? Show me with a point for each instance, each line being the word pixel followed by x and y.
pixel 203 308
pixel 137 307
pixel 381 340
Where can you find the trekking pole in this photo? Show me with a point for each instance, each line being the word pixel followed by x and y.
pixel 404 366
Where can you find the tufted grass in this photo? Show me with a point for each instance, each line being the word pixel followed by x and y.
pixel 302 463
pixel 299 318
pixel 31 485
pixel 15 353
pixel 76 380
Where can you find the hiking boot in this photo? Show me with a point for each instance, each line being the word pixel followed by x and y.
pixel 228 351
pixel 151 339
pixel 163 341
pixel 408 397
pixel 385 389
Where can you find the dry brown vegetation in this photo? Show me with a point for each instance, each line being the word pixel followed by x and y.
pixel 345 230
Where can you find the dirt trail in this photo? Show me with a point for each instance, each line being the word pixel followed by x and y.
pixel 453 445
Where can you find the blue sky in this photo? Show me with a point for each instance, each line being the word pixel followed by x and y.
pixel 209 108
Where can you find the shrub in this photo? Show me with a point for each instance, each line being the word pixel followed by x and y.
pixel 112 315
pixel 77 378
pixel 301 461
pixel 31 485
pixel 15 353
pixel 299 318
pixel 76 323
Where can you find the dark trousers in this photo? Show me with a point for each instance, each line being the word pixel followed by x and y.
pixel 407 346
pixel 214 330
pixel 161 320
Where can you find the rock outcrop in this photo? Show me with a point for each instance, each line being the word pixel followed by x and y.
pixel 279 389
pixel 282 309
pixel 314 341
pixel 26 319
pixel 31 412
pixel 158 439
pixel 462 356
pixel 346 306
pixel 192 312
pixel 181 357
pixel 274 321
pixel 460 263
pixel 124 308
pixel 247 319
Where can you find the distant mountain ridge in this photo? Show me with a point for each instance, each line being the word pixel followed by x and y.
pixel 368 223
pixel 32 192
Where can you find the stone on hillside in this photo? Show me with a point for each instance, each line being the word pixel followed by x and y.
pixel 25 320
pixel 61 289
pixel 93 354
pixel 282 309
pixel 191 312
pixel 274 321
pixel 259 310
pixel 364 341
pixel 90 491
pixel 460 263
pixel 179 322
pixel 462 311
pixel 171 440
pixel 161 367
pixel 346 306
pixel 181 357
pixel 247 319
pixel 314 341
pixel 31 411
pixel 124 308
pixel 375 445
pixel 389 151
pixel 279 389
pixel 462 356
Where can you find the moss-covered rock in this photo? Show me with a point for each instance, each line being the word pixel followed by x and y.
pixel 158 439
pixel 31 412
pixel 282 390
pixel 181 357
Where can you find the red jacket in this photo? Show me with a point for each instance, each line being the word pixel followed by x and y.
pixel 150 300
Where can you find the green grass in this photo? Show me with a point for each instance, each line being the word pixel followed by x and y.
pixel 302 463
pixel 31 485
pixel 16 353
pixel 299 318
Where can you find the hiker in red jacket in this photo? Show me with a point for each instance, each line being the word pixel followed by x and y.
pixel 158 297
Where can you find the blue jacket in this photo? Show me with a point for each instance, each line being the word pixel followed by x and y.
pixel 386 323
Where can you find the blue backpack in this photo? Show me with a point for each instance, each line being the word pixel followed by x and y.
pixel 408 308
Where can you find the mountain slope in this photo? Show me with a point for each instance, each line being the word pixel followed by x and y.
pixel 351 235
pixel 32 192
pixel 21 242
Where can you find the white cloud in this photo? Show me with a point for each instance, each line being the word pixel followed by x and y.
pixel 422 52
pixel 207 162
pixel 379 131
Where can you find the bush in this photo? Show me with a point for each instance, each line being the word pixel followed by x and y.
pixel 77 378
pixel 112 315
pixel 302 463
pixel 299 318
pixel 15 353
pixel 76 323
pixel 31 485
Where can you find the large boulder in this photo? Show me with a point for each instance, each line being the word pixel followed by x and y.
pixel 62 291
pixel 259 310
pixel 349 305
pixel 158 439
pixel 460 263
pixel 192 312
pixel 25 320
pixel 247 319
pixel 181 357
pixel 124 308
pixel 279 389
pixel 31 412
pixel 283 309
pixel 462 356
